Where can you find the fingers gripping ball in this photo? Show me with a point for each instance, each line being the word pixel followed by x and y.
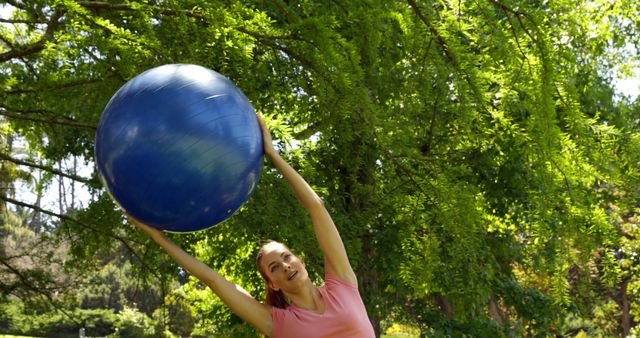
pixel 179 148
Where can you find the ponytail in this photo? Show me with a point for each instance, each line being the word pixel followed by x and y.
pixel 276 298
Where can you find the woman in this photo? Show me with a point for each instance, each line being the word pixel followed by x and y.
pixel 294 307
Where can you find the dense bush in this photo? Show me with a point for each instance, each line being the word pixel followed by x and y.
pixel 15 318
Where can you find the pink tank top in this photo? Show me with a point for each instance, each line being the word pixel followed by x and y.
pixel 344 315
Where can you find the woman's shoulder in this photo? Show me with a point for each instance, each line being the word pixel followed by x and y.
pixel 332 279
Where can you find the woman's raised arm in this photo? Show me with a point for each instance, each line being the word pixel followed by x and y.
pixel 335 255
pixel 238 299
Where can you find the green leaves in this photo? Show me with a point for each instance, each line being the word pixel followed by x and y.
pixel 471 153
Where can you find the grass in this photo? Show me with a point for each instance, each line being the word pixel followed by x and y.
pixel 397 330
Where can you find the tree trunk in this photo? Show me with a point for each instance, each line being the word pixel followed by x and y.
pixel 496 312
pixel 73 183
pixel 6 145
pixel 445 306
pixel 369 280
pixel 358 182
pixel 61 196
pixel 35 223
pixel 625 320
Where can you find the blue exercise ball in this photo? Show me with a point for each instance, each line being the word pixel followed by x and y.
pixel 179 147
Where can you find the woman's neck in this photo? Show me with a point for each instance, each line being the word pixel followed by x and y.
pixel 309 298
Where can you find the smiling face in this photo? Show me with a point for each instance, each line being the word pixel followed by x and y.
pixel 284 270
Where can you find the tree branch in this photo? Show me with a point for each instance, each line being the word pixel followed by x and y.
pixel 14 21
pixel 99 5
pixel 6 41
pixel 291 16
pixel 24 279
pixel 518 15
pixel 38 45
pixel 311 129
pixel 16 4
pixel 61 86
pixel 260 36
pixel 71 219
pixel 65 122
pixel 27 282
pixel 37 289
pixel 410 175
pixel 434 32
pixel 450 55
pixel 88 181
pixel 268 40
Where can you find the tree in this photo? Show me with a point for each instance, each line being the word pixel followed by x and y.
pixel 471 153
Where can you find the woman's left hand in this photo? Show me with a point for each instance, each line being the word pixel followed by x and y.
pixel 266 137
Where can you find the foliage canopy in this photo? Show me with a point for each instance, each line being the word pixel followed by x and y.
pixel 481 169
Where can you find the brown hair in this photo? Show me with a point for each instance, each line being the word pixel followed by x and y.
pixel 273 297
